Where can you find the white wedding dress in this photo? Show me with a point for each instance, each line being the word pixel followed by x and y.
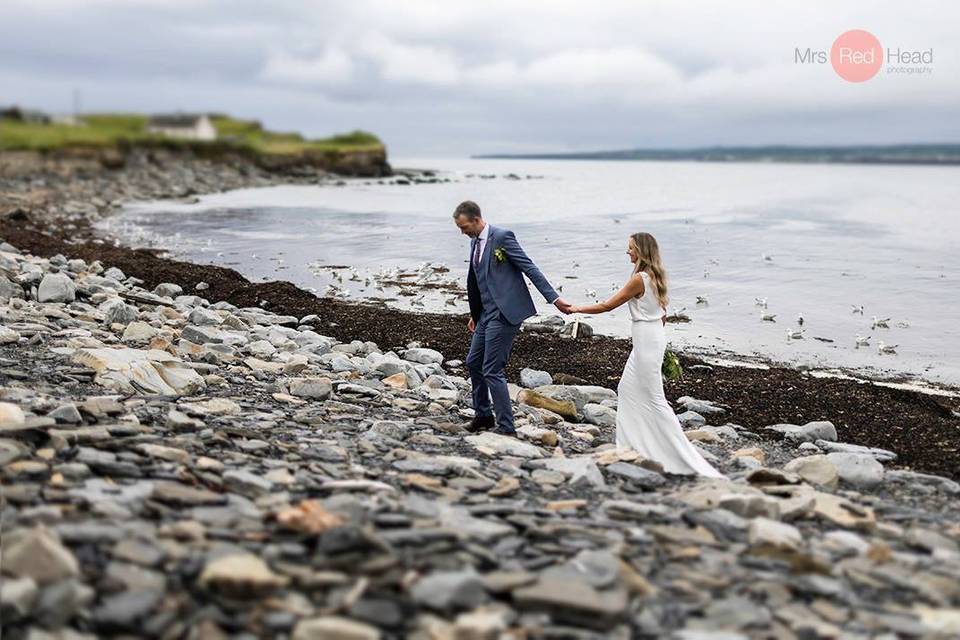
pixel 645 421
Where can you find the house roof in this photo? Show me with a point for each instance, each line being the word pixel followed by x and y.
pixel 174 119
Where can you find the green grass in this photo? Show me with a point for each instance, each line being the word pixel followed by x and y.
pixel 113 129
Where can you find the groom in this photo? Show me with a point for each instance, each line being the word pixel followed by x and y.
pixel 499 303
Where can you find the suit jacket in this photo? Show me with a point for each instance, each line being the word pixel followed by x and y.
pixel 505 279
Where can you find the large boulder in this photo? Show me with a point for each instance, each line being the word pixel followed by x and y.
pixel 57 287
pixel 143 371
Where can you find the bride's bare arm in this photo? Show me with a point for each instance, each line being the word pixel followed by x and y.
pixel 634 287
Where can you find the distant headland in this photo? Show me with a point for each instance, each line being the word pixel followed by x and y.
pixel 937 154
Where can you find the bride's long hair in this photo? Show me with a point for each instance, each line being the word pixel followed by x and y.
pixel 648 259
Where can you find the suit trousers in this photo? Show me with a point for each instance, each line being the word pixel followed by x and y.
pixel 489 351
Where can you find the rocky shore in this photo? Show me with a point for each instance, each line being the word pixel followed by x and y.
pixel 185 454
pixel 177 467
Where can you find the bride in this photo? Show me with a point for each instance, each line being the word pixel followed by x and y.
pixel 645 421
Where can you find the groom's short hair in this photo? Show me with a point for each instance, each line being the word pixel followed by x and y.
pixel 467 208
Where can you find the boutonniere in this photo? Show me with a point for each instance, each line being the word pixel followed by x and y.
pixel 499 254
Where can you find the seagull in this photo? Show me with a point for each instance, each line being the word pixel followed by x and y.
pixel 794 334
pixel 800 319
pixel 857 308
pixel 591 294
pixel 702 300
pixel 886 348
pixel 863 341
pixel 766 257
pixel 769 317
pixel 880 322
pixel 760 302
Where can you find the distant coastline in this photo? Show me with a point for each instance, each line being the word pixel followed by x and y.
pixel 925 154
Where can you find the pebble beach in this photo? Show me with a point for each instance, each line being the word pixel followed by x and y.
pixel 186 454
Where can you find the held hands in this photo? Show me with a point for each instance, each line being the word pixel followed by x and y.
pixel 563 305
pixel 471 325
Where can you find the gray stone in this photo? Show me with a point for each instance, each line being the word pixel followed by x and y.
pixel 334 628
pixel 67 413
pixel 573 602
pixel 533 378
pixel 116 311
pixel 881 455
pixel 815 469
pixel 764 532
pixel 703 407
pixel 750 505
pixel 204 318
pixel 37 554
pixel 312 388
pixel 600 415
pixel 810 432
pixel 857 469
pixel 504 445
pixel 124 610
pixel 638 475
pixel 576 468
pixel 691 419
pixel 390 429
pixel 57 287
pixel 598 568
pixel 9 289
pixel 423 356
pixel 17 596
pixel 168 290
pixel 449 590
pixel 246 483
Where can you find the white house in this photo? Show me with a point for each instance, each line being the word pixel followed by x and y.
pixel 183 125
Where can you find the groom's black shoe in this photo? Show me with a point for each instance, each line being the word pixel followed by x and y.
pixel 481 423
pixel 503 431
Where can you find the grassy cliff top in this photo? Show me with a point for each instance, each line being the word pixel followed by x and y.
pixel 111 129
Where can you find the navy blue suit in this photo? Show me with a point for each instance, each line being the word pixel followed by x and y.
pixel 499 303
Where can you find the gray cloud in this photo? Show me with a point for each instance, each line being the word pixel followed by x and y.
pixel 457 78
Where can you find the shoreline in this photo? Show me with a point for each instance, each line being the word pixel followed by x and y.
pixel 914 419
pixel 184 453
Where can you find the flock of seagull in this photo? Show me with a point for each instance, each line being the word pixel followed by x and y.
pixel 859 340
pixel 436 276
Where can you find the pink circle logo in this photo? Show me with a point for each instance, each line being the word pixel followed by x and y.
pixel 856 55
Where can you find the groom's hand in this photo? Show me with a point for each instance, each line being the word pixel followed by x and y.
pixel 562 305
pixel 471 325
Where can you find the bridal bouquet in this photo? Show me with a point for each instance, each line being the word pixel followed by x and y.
pixel 671 368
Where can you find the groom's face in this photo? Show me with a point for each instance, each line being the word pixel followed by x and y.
pixel 468 227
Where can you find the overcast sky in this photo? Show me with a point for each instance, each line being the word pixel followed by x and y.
pixel 457 78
